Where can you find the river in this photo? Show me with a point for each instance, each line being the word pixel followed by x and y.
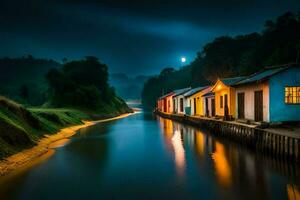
pixel 148 157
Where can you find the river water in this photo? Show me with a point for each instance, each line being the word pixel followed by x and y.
pixel 148 157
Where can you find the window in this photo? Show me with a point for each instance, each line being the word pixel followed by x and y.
pixel 292 95
pixel 221 101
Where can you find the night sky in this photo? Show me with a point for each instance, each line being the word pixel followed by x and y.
pixel 135 37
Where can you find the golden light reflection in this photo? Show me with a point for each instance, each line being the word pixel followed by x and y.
pixel 293 192
pixel 200 143
pixel 168 128
pixel 222 166
pixel 179 152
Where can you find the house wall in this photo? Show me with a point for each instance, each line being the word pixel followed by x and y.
pixel 169 104
pixel 190 103
pixel 177 104
pixel 210 98
pixel 187 107
pixel 249 91
pixel 279 111
pixel 199 102
pixel 160 104
pixel 232 100
pixel 221 89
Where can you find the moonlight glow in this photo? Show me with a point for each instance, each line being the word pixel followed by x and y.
pixel 183 59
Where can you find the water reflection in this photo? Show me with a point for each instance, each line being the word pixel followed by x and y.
pixel 141 157
pixel 239 172
pixel 174 143
pixel 222 167
pixel 179 152
pixel 293 192
pixel 200 144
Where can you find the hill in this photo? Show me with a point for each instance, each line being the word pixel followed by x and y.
pixel 21 128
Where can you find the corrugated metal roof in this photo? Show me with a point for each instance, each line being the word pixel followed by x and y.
pixel 232 81
pixel 208 94
pixel 181 91
pixel 194 91
pixel 170 93
pixel 264 74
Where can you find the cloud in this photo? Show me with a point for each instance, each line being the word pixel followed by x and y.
pixel 129 35
pixel 129 23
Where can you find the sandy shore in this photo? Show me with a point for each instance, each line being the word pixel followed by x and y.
pixel 44 148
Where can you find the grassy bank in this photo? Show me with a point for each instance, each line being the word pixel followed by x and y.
pixel 21 127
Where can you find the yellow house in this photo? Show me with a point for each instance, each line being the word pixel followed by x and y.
pixel 195 101
pixel 225 96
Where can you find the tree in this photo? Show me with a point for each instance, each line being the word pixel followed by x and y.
pixel 82 83
pixel 166 71
pixel 24 93
pixel 298 52
pixel 64 60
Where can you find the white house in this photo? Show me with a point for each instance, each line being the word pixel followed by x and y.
pixel 209 104
pixel 179 102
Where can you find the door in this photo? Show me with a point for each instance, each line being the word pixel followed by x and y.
pixel 241 105
pixel 181 104
pixel 195 106
pixel 226 109
pixel 206 107
pixel 258 106
pixel 165 105
pixel 213 107
pixel 174 106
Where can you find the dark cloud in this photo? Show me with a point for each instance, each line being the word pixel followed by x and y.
pixel 130 36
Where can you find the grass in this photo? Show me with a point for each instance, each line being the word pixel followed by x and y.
pixel 21 127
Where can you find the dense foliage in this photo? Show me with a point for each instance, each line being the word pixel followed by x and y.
pixel 278 43
pixel 22 79
pixel 82 83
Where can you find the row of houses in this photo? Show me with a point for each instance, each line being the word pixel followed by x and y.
pixel 270 95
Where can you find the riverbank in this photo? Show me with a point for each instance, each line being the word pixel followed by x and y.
pixel 45 146
pixel 22 127
pixel 278 144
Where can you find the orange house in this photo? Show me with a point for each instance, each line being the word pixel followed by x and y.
pixel 225 96
pixel 165 103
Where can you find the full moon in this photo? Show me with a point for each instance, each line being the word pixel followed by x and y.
pixel 183 59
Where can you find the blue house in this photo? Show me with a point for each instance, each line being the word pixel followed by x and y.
pixel 271 95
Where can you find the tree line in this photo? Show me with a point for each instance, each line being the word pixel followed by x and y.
pixel 82 84
pixel 278 43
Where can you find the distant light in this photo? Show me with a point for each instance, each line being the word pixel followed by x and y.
pixel 183 59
